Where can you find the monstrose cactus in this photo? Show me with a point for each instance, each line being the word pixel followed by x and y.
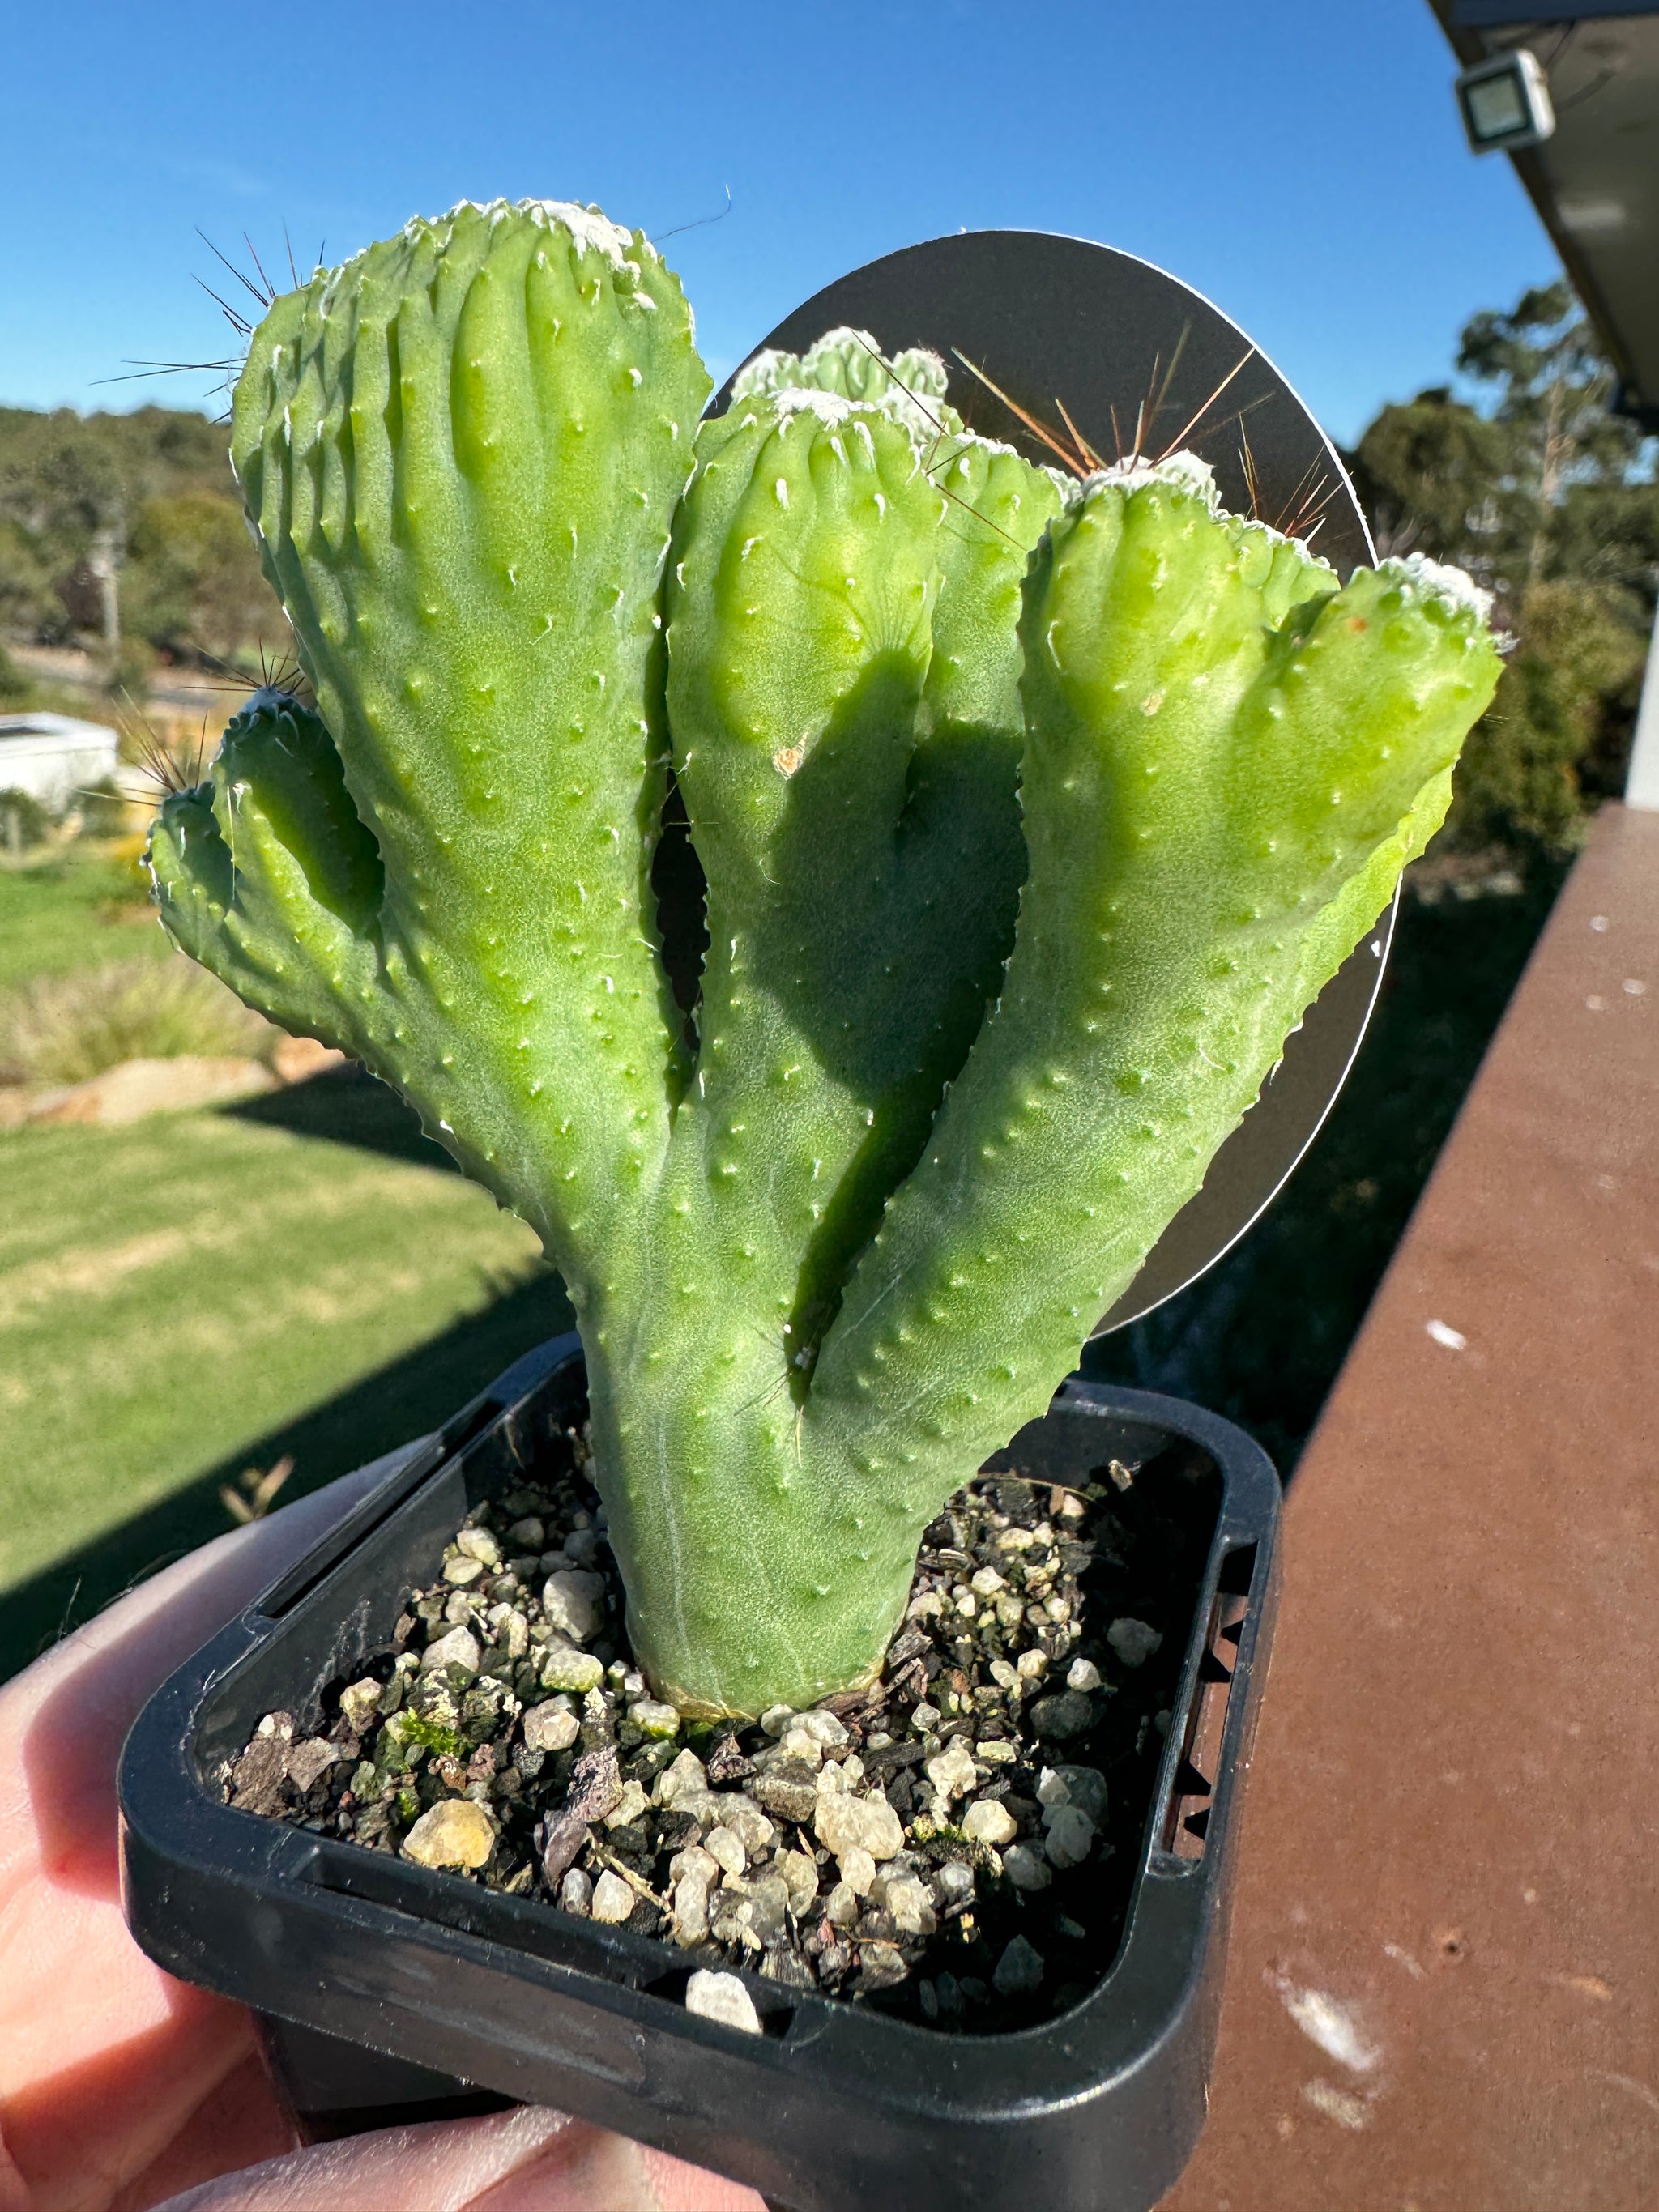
pixel 1032 818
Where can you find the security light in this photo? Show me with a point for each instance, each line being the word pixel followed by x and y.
pixel 1505 103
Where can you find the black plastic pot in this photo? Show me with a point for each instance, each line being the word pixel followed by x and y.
pixel 391 1992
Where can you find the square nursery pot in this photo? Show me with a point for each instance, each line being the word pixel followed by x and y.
pixel 389 1992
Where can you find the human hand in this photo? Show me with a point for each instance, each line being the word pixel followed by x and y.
pixel 121 2088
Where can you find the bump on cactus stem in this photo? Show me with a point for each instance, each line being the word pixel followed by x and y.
pixel 1029 821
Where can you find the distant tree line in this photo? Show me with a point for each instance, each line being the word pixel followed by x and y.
pixel 125 530
pixel 127 527
pixel 1548 498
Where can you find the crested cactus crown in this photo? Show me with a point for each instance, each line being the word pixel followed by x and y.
pixel 1032 819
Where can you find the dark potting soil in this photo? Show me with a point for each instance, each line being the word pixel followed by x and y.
pixel 956 1845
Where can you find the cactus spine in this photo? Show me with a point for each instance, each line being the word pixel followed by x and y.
pixel 1031 823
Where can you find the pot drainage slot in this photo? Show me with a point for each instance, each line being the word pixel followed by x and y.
pixel 444 1900
pixel 1187 1824
pixel 777 2016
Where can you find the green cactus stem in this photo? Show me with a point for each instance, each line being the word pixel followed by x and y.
pixel 462 453
pixel 1032 819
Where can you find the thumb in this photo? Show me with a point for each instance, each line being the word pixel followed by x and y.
pixel 528 2159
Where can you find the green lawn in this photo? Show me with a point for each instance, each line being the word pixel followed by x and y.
pixel 203 1289
pixel 73 908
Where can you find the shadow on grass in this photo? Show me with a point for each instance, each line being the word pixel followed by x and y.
pixel 414 1394
pixel 347 1106
pixel 1261 1337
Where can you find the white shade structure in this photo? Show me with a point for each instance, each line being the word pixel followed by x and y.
pixel 53 757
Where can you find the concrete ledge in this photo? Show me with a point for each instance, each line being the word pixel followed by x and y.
pixel 1444 1981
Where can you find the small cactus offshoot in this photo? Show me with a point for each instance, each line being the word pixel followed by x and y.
pixel 1032 816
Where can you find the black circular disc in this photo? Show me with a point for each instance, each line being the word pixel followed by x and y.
pixel 1140 363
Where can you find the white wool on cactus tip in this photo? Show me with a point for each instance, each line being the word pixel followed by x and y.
pixel 1183 471
pixel 1437 580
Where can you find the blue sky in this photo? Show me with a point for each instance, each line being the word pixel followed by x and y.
pixel 1300 162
